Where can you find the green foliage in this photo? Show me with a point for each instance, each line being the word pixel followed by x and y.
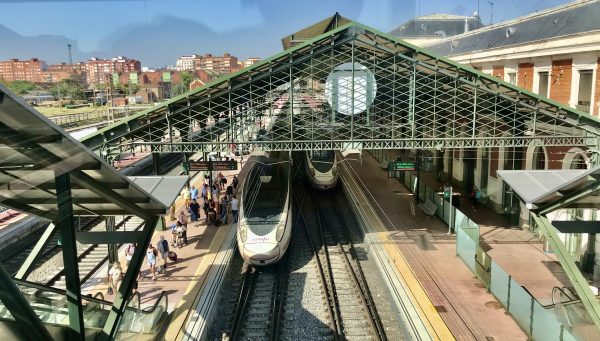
pixel 127 88
pixel 187 78
pixel 178 89
pixel 21 87
pixel 68 88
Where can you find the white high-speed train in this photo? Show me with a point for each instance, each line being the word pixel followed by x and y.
pixel 321 168
pixel 265 214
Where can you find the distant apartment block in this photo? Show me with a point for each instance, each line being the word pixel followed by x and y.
pixel 99 71
pixel 22 70
pixel 186 63
pixel 249 62
pixel 221 64
pixel 59 72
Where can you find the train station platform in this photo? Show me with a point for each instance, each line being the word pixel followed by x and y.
pixel 184 280
pixel 466 308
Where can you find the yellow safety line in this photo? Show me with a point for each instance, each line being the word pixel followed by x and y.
pixel 183 307
pixel 431 318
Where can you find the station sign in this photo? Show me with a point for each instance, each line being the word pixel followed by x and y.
pixel 401 165
pixel 212 165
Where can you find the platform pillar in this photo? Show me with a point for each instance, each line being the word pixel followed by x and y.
pixel 155 163
pixel 112 248
pixel 65 225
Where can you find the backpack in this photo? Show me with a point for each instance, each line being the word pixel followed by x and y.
pixel 478 195
pixel 165 245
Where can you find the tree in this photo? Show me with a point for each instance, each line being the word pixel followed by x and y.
pixel 21 87
pixel 187 78
pixel 178 89
pixel 127 88
pixel 68 88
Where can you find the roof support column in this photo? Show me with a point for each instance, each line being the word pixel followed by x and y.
pixel 111 326
pixel 352 97
pixel 113 255
pixel 411 100
pixel 291 99
pixel 64 223
pixel 155 163
pixel 19 308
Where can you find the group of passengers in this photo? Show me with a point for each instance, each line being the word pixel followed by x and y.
pixel 215 210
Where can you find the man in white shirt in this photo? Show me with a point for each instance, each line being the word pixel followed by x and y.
pixel 235 206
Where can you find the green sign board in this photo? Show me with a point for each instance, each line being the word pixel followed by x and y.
pixel 401 165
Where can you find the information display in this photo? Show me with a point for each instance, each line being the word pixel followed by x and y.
pixel 401 165
pixel 212 165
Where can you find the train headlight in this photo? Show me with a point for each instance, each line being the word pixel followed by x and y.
pixel 243 231
pixel 280 231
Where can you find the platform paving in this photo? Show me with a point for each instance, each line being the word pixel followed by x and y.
pixel 182 280
pixel 469 311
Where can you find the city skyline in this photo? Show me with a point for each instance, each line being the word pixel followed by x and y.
pixel 157 33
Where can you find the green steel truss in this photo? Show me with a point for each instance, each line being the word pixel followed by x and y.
pixel 418 101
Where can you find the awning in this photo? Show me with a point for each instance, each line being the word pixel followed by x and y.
pixel 34 151
pixel 164 188
pixel 543 187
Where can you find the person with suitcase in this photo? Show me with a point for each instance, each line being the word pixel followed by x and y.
pixel 163 251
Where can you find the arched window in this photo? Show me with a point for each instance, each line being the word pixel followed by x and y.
pixel 578 162
pixel 539 158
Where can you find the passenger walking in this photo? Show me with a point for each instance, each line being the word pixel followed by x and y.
pixel 204 191
pixel 151 255
pixel 212 215
pixel 182 218
pixel 186 196
pixel 195 211
pixel 223 210
pixel 235 206
pixel 115 277
pixel 222 181
pixel 205 207
pixel 129 252
pixel 163 250
pixel 215 193
pixel 194 193
pixel 235 182
pixel 475 197
pixel 229 192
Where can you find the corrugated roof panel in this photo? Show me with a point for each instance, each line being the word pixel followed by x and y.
pixel 565 20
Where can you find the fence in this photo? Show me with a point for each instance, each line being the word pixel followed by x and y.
pixel 537 321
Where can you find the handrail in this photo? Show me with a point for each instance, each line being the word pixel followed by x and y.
pixel 63 292
pixel 150 310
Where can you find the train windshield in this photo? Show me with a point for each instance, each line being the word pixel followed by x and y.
pixel 323 160
pixel 265 200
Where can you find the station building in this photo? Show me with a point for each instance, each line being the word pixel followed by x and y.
pixel 554 53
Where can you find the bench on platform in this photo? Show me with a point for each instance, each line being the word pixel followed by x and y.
pixel 428 208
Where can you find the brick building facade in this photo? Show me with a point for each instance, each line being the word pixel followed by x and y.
pixel 22 70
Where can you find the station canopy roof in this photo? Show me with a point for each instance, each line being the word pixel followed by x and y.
pixel 34 151
pixel 539 188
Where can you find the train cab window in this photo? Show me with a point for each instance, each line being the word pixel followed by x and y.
pixel 322 155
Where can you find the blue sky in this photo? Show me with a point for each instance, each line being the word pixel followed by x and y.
pixel 157 31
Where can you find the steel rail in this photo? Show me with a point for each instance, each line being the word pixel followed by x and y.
pixel 243 298
pixel 359 277
pixel 328 295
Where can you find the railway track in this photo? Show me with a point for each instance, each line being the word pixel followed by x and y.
pixel 319 291
pixel 91 257
pixel 14 260
pixel 355 316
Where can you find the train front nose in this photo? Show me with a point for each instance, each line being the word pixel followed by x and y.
pixel 261 253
